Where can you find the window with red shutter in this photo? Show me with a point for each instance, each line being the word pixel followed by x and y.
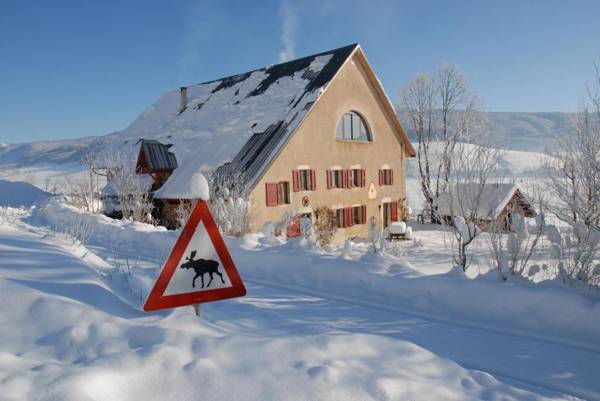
pixel 328 173
pixel 348 220
pixel 363 180
pixel 363 214
pixel 386 177
pixel 304 180
pixel 271 194
pixel 394 211
pixel 296 180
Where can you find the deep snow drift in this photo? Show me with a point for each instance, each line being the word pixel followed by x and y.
pixel 21 194
pixel 70 329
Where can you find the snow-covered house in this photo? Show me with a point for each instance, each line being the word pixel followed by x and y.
pixel 316 131
pixel 487 204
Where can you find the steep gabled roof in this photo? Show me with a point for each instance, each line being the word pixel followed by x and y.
pixel 243 120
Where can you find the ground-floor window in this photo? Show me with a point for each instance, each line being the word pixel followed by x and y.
pixel 339 217
pixel 390 212
pixel 357 215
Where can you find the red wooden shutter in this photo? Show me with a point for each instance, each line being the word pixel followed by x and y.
pixel 391 177
pixel 363 179
pixel 271 192
pixel 296 180
pixel 313 180
pixel 344 179
pixel 349 178
pixel 363 214
pixel 381 177
pixel 394 214
pixel 348 220
pixel 328 179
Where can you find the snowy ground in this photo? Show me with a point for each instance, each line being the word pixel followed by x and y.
pixel 314 325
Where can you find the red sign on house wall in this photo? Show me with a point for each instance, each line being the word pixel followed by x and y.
pixel 199 268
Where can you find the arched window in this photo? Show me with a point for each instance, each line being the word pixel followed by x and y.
pixel 352 127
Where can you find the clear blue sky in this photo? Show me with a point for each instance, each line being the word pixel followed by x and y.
pixel 78 68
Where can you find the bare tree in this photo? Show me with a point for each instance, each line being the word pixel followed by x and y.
pixel 575 188
pixel 441 110
pixel 82 192
pixel 418 102
pixel 466 200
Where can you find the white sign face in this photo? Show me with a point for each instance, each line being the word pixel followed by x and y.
pixel 200 269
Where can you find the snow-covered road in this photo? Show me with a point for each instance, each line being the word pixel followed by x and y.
pixel 69 332
pixel 515 359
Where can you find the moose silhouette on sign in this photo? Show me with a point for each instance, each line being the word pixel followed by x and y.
pixel 201 267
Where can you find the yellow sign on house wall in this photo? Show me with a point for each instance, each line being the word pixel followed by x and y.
pixel 372 191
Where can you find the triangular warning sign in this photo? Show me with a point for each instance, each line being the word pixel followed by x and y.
pixel 199 268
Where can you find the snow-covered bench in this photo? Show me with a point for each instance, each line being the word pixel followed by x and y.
pixel 398 230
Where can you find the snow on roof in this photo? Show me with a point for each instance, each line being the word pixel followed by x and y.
pixel 243 119
pixel 463 198
pixel 185 187
pixel 139 184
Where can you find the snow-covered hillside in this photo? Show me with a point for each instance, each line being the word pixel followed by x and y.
pixel 531 132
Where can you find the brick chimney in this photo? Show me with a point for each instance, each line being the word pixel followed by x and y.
pixel 183 99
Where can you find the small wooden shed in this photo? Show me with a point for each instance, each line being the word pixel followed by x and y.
pixel 156 160
pixel 494 203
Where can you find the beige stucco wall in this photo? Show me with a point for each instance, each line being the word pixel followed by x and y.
pixel 315 145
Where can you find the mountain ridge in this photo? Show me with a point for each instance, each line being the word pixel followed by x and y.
pixel 521 131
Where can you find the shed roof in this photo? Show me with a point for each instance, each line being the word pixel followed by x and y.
pixel 157 155
pixel 485 203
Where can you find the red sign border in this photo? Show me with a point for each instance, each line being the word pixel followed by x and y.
pixel 156 300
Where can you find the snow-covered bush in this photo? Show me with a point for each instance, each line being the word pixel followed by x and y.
pixel 306 227
pixel 229 203
pixel 575 186
pixel 512 251
pixel 376 236
pixel 83 192
pixel 183 211
pixel 231 215
pixel 77 228
pixel 9 215
pixel 128 191
pixel 324 227
pixel 576 254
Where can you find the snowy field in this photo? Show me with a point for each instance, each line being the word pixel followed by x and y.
pixel 337 324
